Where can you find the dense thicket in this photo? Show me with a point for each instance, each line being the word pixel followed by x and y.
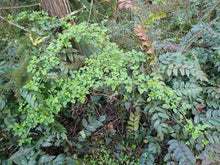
pixel 126 82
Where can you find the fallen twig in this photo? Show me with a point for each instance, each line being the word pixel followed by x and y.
pixel 18 7
pixel 13 24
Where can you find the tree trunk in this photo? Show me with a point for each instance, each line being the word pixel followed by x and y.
pixel 58 8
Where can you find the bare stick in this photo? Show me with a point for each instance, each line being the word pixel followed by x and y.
pixel 90 12
pixel 18 7
pixel 13 24
pixel 210 12
pixel 77 11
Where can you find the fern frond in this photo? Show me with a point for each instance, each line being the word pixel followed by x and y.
pixel 134 120
pixel 213 137
pixel 156 16
pixel 213 97
pixel 176 63
pixel 181 153
pixel 211 119
pixel 187 89
pixel 210 155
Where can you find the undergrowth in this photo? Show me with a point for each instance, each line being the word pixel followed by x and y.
pixel 136 82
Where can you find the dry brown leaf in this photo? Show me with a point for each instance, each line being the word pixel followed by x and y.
pixel 151 50
pixel 200 108
pixel 111 129
pixel 146 43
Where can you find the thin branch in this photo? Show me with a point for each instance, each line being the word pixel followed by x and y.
pixel 13 24
pixel 90 12
pixel 77 11
pixel 211 10
pixel 73 13
pixel 18 7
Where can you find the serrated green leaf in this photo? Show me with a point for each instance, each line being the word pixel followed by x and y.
pixel 132 117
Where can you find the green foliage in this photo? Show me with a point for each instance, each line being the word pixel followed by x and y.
pixel 104 156
pixel 103 68
pixel 159 116
pixel 29 156
pixel 181 153
pixel 177 63
pixel 63 84
pixel 149 154
pixel 134 121
pixel 90 126
pixel 210 119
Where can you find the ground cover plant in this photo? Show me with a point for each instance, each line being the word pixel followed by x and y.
pixel 116 82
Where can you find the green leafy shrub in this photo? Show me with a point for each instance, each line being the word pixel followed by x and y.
pixel 66 79
pixel 104 156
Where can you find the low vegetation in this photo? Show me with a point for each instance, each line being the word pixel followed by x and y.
pixel 129 82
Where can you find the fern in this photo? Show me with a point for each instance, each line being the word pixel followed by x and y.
pixel 156 16
pixel 213 96
pixel 192 90
pixel 210 155
pixel 134 120
pixel 123 35
pixel 176 63
pixel 211 119
pixel 213 137
pixel 180 152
